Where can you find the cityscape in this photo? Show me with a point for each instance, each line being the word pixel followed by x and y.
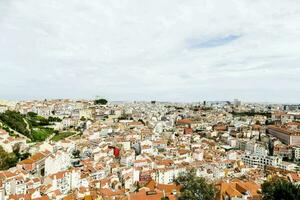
pixel 95 149
pixel 149 100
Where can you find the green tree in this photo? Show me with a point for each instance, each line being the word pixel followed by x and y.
pixel 3 158
pixel 100 101
pixel 12 160
pixel 15 121
pixel 31 114
pixel 24 156
pixel 16 150
pixel 76 153
pixel 54 119
pixel 194 187
pixel 7 160
pixel 280 189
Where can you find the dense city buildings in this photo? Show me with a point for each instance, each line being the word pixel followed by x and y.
pixel 83 149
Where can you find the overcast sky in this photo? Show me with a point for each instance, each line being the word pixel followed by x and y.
pixel 171 50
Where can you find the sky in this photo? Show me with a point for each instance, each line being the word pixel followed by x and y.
pixel 166 50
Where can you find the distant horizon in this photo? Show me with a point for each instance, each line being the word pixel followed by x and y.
pixel 160 101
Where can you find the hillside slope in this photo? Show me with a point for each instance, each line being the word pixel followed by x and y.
pixel 31 125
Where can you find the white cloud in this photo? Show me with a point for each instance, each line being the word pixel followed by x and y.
pixel 138 49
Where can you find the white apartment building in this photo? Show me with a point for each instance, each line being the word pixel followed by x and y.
pixel 257 149
pixel 261 161
pixel 12 184
pixel 19 186
pixel 64 181
pixel 57 162
pixel 166 176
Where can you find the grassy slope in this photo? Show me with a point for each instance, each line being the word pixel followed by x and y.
pixel 32 126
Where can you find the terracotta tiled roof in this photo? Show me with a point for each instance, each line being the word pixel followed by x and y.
pixel 237 188
pixel 150 195
pixel 6 175
pixel 45 197
pixel 295 177
pixel 184 121
pixel 34 158
pixel 20 196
